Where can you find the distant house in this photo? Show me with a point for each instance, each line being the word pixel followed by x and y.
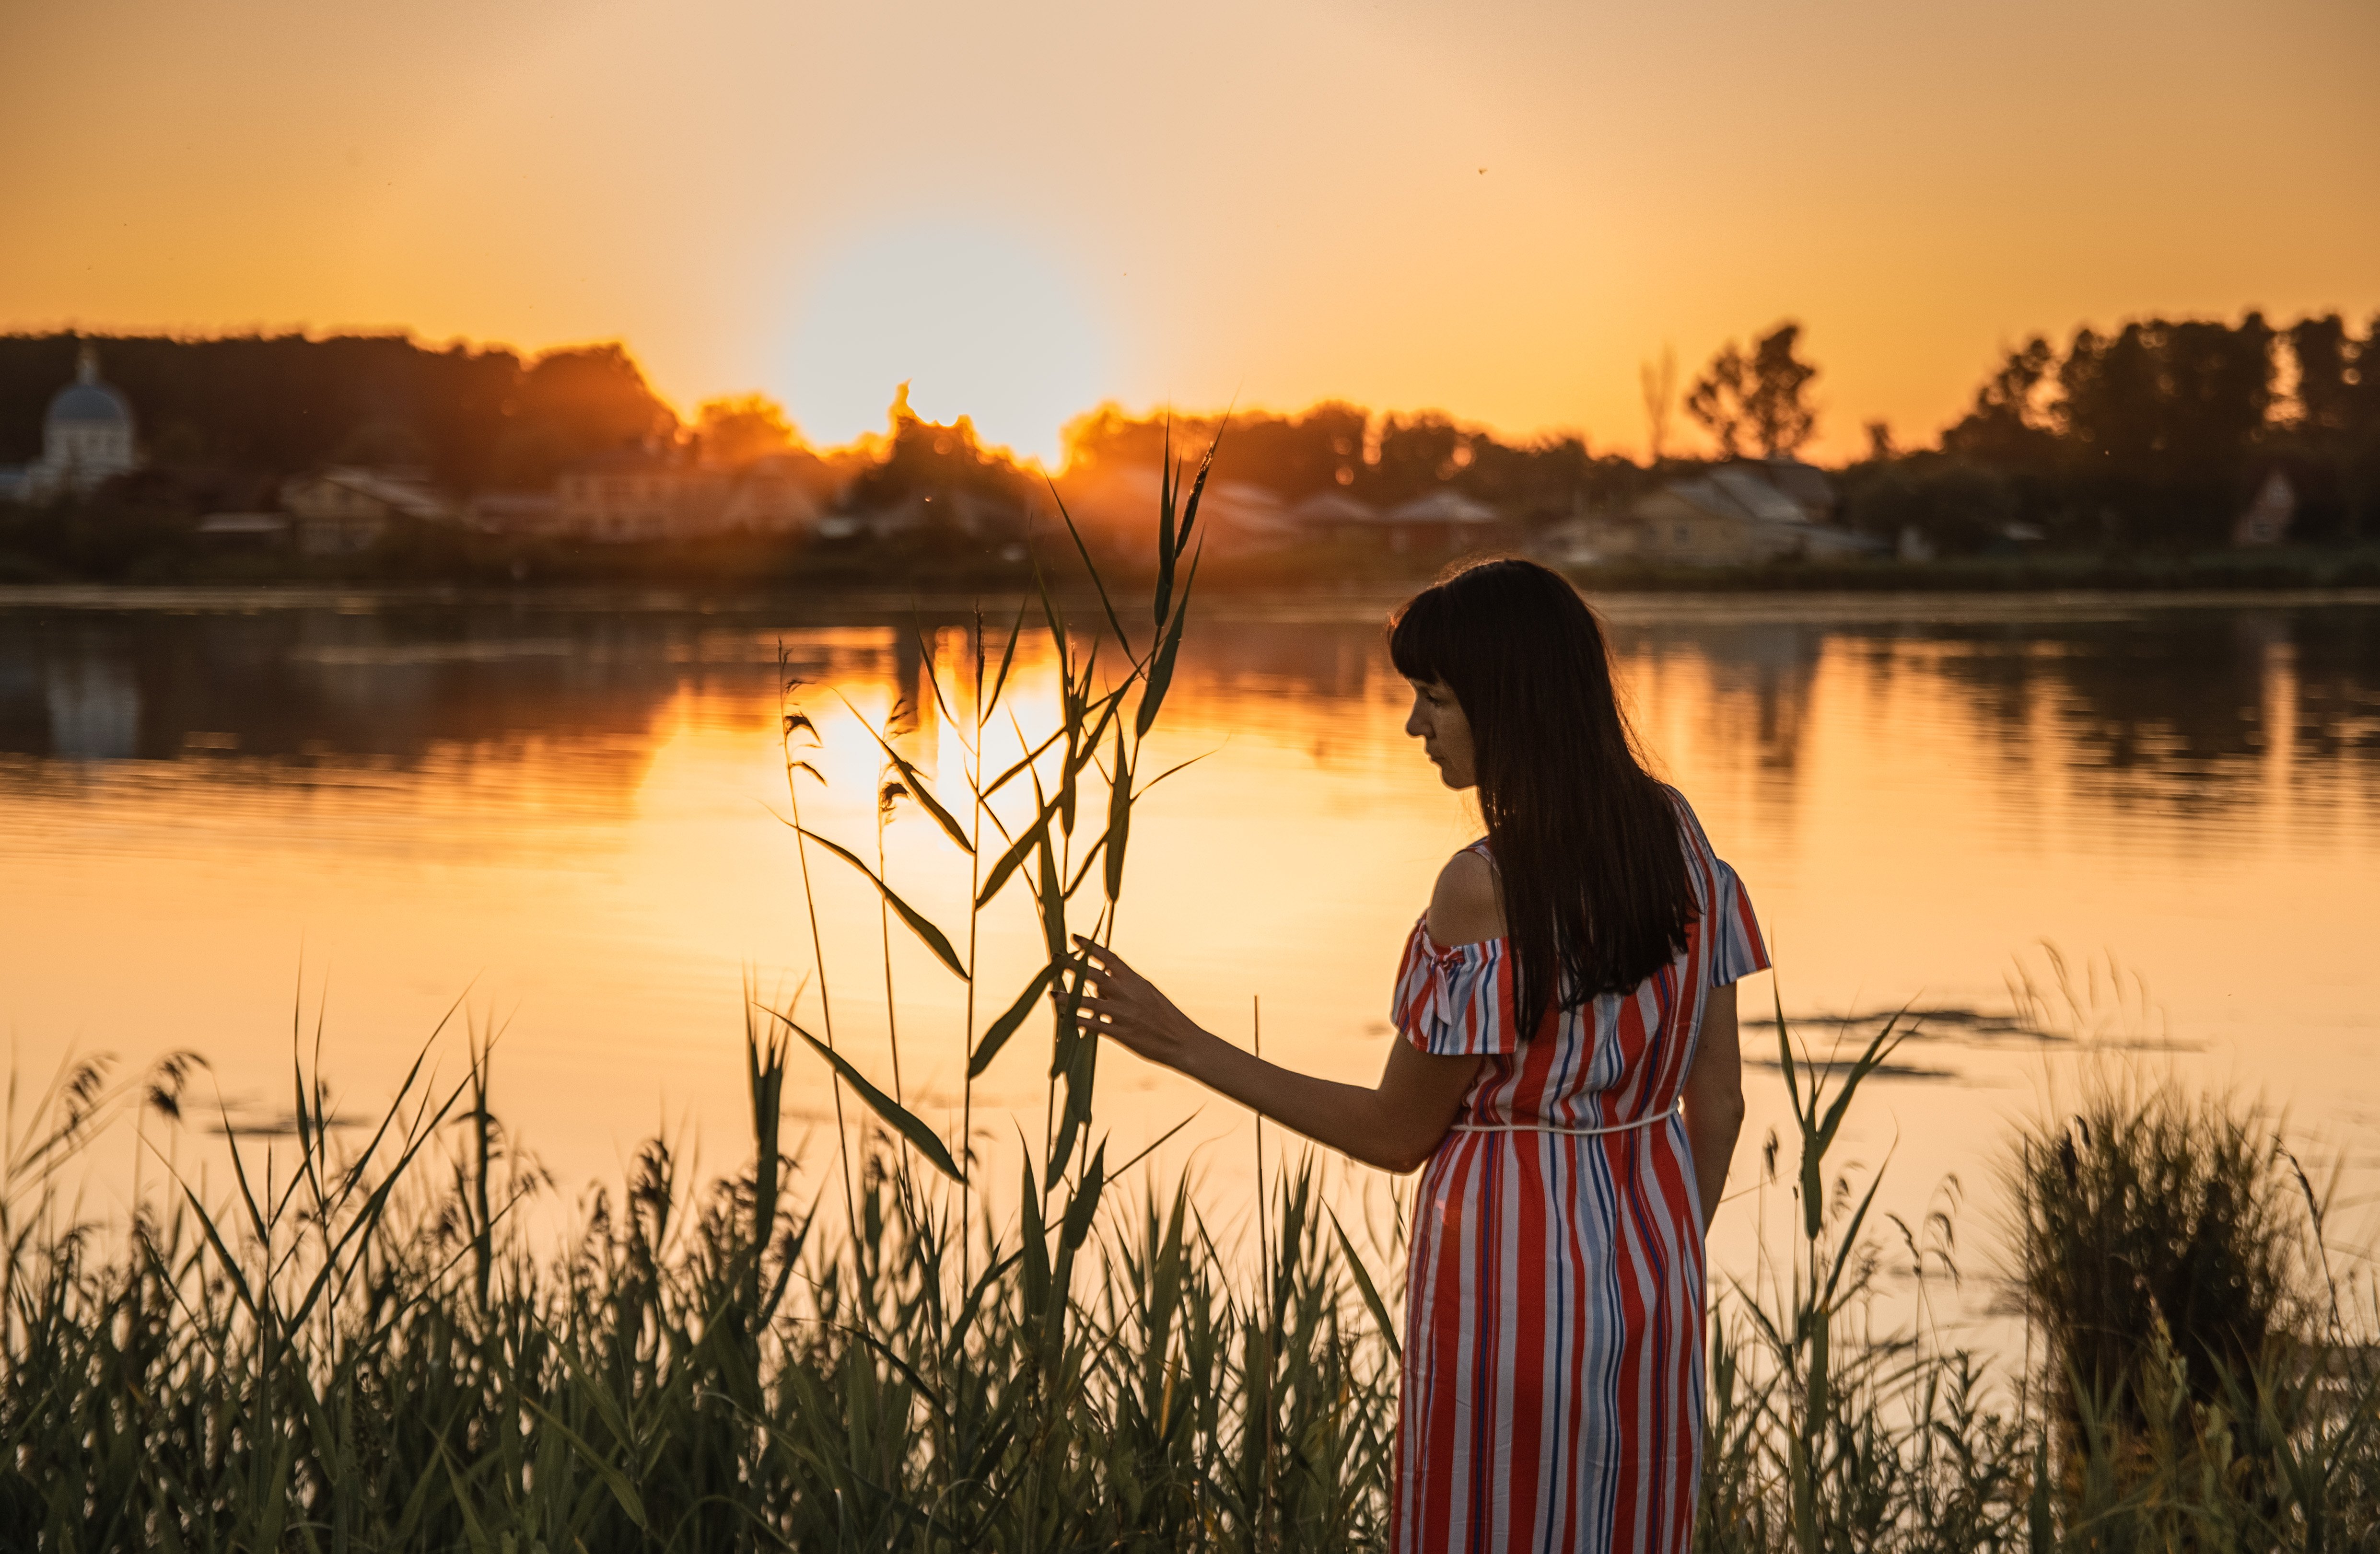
pixel 633 496
pixel 1334 515
pixel 1736 514
pixel 639 495
pixel 776 495
pixel 1444 520
pixel 525 514
pixel 346 509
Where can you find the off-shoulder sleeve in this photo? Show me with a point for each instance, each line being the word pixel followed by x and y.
pixel 1455 1001
pixel 1736 948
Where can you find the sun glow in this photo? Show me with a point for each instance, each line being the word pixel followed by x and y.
pixel 977 323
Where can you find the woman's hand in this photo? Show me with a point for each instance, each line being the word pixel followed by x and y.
pixel 1129 1008
pixel 1394 1124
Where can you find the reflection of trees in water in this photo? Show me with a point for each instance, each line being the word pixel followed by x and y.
pixel 290 690
pixel 1744 691
pixel 2202 710
pixel 1319 679
pixel 1334 661
pixel 2183 708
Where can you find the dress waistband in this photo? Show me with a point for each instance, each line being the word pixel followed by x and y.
pixel 1567 1132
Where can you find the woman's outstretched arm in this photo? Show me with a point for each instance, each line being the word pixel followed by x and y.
pixel 1714 1095
pixel 1394 1124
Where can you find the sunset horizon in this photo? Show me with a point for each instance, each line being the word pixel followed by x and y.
pixel 1393 206
pixel 1685 440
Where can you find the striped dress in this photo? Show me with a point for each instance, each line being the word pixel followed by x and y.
pixel 1553 1364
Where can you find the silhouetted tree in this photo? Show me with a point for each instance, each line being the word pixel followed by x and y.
pixel 2324 355
pixel 943 467
pixel 1320 449
pixel 741 428
pixel 1957 507
pixel 2160 422
pixel 2007 426
pixel 1417 453
pixel 1716 398
pixel 1782 417
pixel 1763 397
pixel 2332 442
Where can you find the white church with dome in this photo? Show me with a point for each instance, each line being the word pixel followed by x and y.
pixel 87 438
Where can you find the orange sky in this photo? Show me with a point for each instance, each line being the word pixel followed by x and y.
pixel 1498 209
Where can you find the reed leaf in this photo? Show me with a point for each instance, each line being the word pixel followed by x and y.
pixel 1007 657
pixel 932 936
pixel 1161 661
pixel 1169 479
pixel 1363 1277
pixel 997 1035
pixel 1119 797
pixel 918 788
pixel 1115 623
pixel 1023 763
pixel 906 1122
pixel 1032 837
pixel 613 1480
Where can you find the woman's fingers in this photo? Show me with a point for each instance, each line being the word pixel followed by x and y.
pixel 1128 1007
pixel 1098 959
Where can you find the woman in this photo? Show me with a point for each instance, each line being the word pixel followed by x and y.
pixel 1570 989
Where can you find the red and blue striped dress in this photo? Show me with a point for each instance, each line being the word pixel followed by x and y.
pixel 1554 1363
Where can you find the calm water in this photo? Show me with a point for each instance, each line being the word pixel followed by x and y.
pixel 212 813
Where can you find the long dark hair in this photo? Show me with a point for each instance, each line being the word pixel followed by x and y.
pixel 1586 839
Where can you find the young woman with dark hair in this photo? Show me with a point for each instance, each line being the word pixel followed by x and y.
pixel 1567 1080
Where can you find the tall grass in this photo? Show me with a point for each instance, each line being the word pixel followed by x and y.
pixel 358 1344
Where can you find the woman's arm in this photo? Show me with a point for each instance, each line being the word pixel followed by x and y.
pixel 1393 1125
pixel 1714 1095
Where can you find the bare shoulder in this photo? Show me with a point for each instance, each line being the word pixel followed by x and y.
pixel 1466 906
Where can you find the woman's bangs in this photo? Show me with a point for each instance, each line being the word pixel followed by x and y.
pixel 1417 638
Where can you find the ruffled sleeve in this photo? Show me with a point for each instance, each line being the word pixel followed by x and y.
pixel 1455 1000
pixel 1736 948
pixel 1732 944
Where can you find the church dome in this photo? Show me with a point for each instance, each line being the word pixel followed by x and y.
pixel 86 400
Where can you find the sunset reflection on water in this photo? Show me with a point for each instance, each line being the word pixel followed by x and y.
pixel 570 823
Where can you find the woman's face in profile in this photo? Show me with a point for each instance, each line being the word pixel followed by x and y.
pixel 1438 721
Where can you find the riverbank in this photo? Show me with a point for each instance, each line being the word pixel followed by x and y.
pixel 1344 604
pixel 87 554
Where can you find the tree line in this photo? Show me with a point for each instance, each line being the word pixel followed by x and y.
pixel 476 419
pixel 2157 434
pixel 2153 435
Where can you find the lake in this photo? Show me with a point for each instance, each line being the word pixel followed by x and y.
pixel 222 814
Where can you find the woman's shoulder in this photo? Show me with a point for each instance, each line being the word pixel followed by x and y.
pixel 1689 826
pixel 1466 906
